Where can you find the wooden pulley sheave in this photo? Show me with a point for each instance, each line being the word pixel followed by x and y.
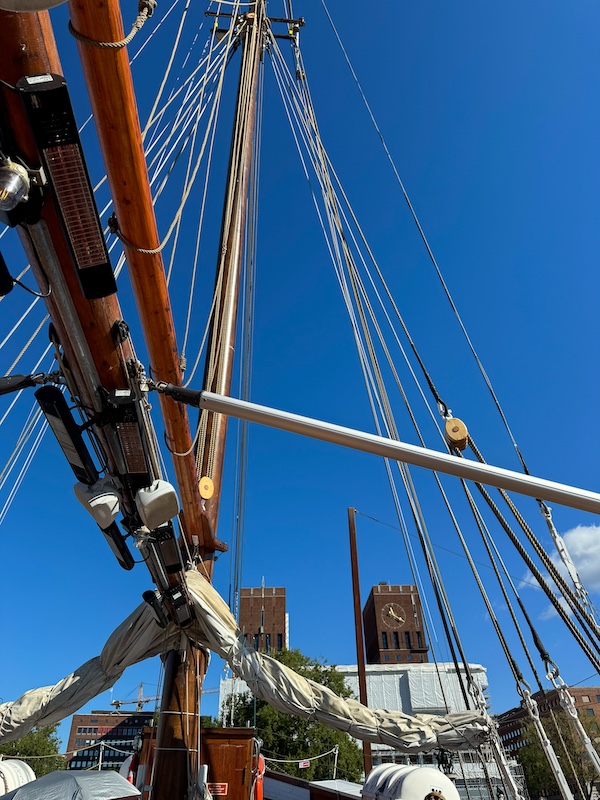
pixel 207 487
pixel 456 433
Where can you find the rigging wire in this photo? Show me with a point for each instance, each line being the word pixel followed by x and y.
pixel 335 251
pixel 426 241
pixel 343 255
pixel 246 361
pixel 430 383
pixel 559 543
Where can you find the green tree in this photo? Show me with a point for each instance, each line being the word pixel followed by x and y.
pixel 571 753
pixel 292 738
pixel 40 742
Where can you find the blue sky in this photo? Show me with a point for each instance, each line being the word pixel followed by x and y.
pixel 491 115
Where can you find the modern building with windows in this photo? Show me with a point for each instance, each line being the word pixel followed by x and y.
pixel 104 739
pixel 512 723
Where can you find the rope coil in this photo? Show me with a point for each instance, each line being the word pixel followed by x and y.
pixel 145 10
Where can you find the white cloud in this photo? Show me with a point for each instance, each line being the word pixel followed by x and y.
pixel 583 543
pixel 550 612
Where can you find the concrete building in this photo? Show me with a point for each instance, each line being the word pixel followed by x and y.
pixel 104 738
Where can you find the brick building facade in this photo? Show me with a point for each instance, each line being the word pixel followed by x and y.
pixel 263 618
pixel 512 723
pixel 104 738
pixel 393 626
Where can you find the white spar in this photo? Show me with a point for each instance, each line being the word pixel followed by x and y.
pixel 507 479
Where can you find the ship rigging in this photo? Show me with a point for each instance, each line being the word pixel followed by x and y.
pixel 96 394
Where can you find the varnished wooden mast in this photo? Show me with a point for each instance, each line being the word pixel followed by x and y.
pixel 211 450
pixel 110 86
pixel 175 741
pixel 28 39
pixel 28 48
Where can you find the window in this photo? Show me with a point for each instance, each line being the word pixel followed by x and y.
pixel 407 639
pixel 268 639
pixel 590 711
pixel 419 643
pixel 384 640
pixel 585 698
pixel 94 721
pixel 598 698
pixel 398 658
pixel 386 658
pixel 396 641
pixel 280 641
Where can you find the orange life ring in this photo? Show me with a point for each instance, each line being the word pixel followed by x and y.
pixel 260 773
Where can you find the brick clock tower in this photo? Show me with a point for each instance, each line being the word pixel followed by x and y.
pixel 263 618
pixel 393 625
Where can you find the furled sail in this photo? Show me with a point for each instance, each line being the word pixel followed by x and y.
pixel 139 637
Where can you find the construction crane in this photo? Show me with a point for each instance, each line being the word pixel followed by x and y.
pixel 141 700
pixel 139 703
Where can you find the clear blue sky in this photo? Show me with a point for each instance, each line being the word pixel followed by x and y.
pixel 491 113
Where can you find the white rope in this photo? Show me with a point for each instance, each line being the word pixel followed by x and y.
pixel 338 223
pixel 23 471
pixel 182 20
pixel 27 345
pixel 301 758
pixel 21 319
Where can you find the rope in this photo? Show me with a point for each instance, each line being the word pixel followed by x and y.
pixel 340 251
pixel 426 243
pixel 307 758
pixel 168 68
pixel 27 345
pixel 582 615
pixel 589 652
pixel 113 222
pixel 145 10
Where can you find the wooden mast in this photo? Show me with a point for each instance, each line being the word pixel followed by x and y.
pixel 110 86
pixel 29 37
pixel 28 48
pixel 358 628
pixel 176 746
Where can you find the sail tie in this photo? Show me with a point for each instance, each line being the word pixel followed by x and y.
pixel 145 10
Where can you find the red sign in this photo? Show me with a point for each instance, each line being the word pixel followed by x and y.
pixel 218 788
pixel 304 764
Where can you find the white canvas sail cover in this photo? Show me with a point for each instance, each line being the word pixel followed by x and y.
pixel 139 637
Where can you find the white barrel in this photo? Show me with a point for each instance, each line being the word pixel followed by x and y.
pixel 14 773
pixel 398 782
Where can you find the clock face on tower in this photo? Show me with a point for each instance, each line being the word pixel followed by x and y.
pixel 393 615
